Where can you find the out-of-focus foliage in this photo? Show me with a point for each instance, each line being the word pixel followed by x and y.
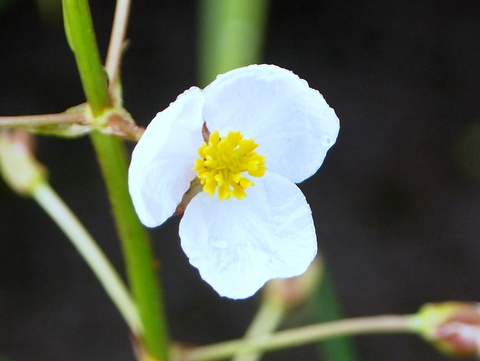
pixel 467 151
pixel 50 11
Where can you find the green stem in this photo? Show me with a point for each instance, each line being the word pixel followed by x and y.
pixel 43 119
pixel 81 37
pixel 113 162
pixel 231 35
pixel 267 319
pixel 117 38
pixel 303 335
pixel 89 250
pixel 135 243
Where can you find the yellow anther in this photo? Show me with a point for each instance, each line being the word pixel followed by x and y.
pixel 223 163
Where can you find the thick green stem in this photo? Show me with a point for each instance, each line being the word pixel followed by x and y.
pixel 113 162
pixel 135 243
pixel 81 37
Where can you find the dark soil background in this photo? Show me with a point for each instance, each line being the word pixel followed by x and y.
pixel 396 204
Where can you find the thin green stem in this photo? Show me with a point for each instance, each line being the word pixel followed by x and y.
pixel 303 335
pixel 267 319
pixel 279 296
pixel 117 38
pixel 135 244
pixel 43 119
pixel 231 35
pixel 89 250
pixel 81 37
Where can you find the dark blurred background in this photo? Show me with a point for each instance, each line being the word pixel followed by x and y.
pixel 396 203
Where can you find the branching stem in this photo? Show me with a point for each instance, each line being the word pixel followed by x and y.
pixel 91 253
pixel 304 335
pixel 117 39
pixel 43 119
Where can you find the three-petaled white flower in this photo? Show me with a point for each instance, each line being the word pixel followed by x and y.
pixel 242 143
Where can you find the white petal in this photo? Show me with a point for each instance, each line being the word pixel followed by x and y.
pixel 161 168
pixel 291 122
pixel 238 245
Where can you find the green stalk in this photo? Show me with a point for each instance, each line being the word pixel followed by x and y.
pixel 135 244
pixel 303 335
pixel 231 35
pixel 53 205
pixel 25 175
pixel 81 38
pixel 269 316
pixel 113 162
pixel 39 120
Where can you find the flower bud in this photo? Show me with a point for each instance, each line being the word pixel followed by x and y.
pixel 452 327
pixel 18 166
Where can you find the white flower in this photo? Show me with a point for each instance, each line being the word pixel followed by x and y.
pixel 250 223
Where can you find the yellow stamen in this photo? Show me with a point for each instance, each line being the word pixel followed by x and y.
pixel 223 161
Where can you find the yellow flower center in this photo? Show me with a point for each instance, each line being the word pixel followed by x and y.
pixel 223 163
